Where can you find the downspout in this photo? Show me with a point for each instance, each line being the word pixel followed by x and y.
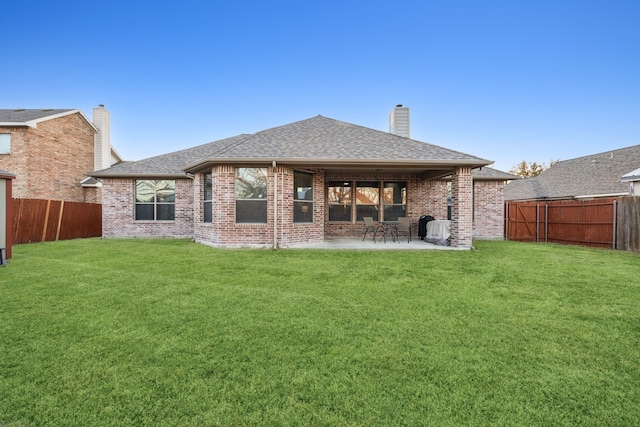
pixel 275 205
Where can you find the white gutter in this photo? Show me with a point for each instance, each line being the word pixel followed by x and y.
pixel 275 205
pixel 599 196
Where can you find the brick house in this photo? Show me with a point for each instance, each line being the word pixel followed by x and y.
pixel 51 150
pixel 300 183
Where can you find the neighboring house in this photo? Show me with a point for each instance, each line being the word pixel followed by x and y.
pixel 51 151
pixel 595 176
pixel 298 183
pixel 633 180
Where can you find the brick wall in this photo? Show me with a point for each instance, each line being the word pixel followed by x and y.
pixel 488 210
pixel 289 232
pixel 50 161
pixel 118 212
pixel 223 230
pixel 424 197
pixel 461 209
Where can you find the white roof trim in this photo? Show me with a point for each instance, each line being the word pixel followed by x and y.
pixel 599 196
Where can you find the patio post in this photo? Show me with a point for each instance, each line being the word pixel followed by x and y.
pixel 462 208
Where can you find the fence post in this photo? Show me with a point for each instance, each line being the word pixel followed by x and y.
pixel 546 222
pixel 507 222
pixel 615 222
pixel 60 220
pixel 537 222
pixel 46 221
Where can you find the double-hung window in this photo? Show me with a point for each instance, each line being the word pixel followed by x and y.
pixel 251 195
pixel 339 196
pixel 302 197
pixel 367 200
pixel 5 143
pixel 395 200
pixel 207 195
pixel 155 200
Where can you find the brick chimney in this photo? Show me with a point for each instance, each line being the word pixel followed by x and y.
pixel 399 121
pixel 102 139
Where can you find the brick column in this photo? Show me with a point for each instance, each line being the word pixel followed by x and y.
pixel 461 208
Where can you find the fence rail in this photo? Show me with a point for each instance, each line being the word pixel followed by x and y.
pixel 37 220
pixel 606 223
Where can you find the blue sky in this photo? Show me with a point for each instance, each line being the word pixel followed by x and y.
pixel 502 80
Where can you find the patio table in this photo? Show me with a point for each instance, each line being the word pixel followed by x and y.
pixel 389 227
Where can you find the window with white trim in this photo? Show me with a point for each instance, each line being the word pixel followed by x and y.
pixel 155 200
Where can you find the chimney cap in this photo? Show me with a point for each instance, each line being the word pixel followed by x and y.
pixel 101 105
pixel 399 106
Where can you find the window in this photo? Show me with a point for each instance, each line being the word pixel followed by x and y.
pixel 367 200
pixel 395 200
pixel 339 195
pixel 207 212
pixel 155 200
pixel 251 195
pixel 5 143
pixel 302 197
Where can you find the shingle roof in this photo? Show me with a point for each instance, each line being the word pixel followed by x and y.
pixel 594 175
pixel 489 174
pixel 318 140
pixel 322 137
pixel 24 116
pixel 168 165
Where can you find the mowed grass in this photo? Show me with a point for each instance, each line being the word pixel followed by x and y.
pixel 171 333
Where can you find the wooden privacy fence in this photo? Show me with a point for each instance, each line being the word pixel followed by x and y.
pixel 38 220
pixel 588 223
pixel 628 238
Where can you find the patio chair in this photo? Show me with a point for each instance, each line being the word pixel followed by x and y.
pixel 369 226
pixel 404 226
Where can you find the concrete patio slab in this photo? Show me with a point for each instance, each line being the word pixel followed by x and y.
pixel 368 244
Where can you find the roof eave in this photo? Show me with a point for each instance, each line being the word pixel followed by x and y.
pixel 124 175
pixel 325 162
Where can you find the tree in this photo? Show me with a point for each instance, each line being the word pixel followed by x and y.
pixel 528 169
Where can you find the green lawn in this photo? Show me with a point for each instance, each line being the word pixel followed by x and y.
pixel 164 332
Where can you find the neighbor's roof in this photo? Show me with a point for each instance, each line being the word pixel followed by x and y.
pixel 31 117
pixel 634 175
pixel 596 175
pixel 315 142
